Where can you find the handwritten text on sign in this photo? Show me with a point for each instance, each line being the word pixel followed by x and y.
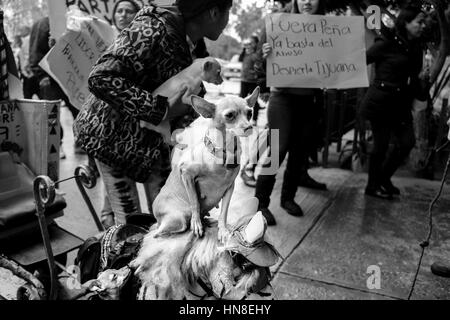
pixel 71 59
pixel 313 51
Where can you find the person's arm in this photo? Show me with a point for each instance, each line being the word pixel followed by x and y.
pixel 113 76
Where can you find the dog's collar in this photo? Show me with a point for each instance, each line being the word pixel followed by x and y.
pixel 219 152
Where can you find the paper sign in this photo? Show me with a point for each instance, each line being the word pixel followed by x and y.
pixel 71 60
pixel 314 51
pixel 101 9
pixel 30 129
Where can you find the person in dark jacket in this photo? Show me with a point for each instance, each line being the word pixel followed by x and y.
pixel 40 44
pixel 292 111
pixel 387 104
pixel 158 44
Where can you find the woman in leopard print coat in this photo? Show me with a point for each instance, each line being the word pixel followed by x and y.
pixel 159 43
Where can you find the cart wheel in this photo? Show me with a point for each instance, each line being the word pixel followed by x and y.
pixel 28 292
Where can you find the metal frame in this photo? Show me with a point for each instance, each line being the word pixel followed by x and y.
pixel 44 194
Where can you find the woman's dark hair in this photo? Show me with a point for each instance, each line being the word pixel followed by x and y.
pixel 405 16
pixel 255 38
pixel 134 4
pixel 192 8
pixel 320 9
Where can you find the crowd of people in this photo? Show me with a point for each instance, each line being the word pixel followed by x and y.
pixel 121 97
pixel 155 43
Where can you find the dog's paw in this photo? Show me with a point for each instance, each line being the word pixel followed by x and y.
pixel 196 226
pixel 223 235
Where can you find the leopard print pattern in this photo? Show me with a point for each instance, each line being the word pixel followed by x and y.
pixel 147 53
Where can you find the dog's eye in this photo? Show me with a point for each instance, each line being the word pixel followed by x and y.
pixel 230 116
pixel 249 114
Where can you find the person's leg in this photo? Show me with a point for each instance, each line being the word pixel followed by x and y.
pixel 302 124
pixel 28 89
pixel 121 192
pixel 404 142
pixel 248 170
pixel 308 122
pixel 381 133
pixel 157 179
pixel 245 89
pixel 278 113
pixel 107 214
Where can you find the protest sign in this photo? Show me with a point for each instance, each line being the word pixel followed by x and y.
pixel 314 51
pixel 70 61
pixel 101 9
pixel 31 130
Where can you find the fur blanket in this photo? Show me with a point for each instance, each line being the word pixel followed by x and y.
pixel 169 269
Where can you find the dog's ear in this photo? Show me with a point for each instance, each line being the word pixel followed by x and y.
pixel 204 108
pixel 207 66
pixel 251 100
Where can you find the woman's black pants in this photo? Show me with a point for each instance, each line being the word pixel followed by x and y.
pixel 383 164
pixel 295 116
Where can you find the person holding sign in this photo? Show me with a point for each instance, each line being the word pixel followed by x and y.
pixel 387 104
pixel 294 112
pixel 157 45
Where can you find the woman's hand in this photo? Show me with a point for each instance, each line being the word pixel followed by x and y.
pixel 179 104
pixel 266 50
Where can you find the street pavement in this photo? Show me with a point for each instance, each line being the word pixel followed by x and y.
pixel 330 252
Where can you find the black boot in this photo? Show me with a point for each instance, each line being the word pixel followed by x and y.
pixel 308 182
pixel 378 192
pixel 390 188
pixel 292 208
pixel 269 216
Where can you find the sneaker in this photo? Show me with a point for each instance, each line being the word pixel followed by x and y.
pixel 440 269
pixel 62 154
pixel 248 178
pixel 292 208
pixel 378 193
pixel 308 182
pixel 269 216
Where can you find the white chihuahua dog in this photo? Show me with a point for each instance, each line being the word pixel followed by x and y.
pixel 206 170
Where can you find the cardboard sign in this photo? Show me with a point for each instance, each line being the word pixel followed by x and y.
pixel 101 9
pixel 314 51
pixel 30 129
pixel 70 61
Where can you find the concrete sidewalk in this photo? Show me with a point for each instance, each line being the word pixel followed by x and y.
pixel 328 251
